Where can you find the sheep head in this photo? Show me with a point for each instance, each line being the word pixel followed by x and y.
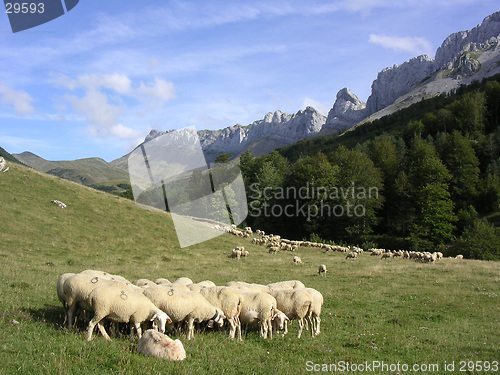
pixel 279 319
pixel 161 319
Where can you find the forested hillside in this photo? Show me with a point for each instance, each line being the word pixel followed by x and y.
pixel 424 178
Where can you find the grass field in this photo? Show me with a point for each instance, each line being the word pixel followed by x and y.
pixel 387 311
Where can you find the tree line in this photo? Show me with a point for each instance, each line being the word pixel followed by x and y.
pixel 435 167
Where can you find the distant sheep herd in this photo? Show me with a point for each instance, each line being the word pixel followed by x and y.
pixel 274 244
pixel 163 305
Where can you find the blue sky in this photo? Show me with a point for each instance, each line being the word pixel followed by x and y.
pixel 94 81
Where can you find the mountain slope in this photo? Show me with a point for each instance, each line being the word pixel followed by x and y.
pixel 464 56
pixel 94 172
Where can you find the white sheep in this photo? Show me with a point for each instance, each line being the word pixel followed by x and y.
pixel 183 281
pixel 259 308
pixel 185 306
pixel 322 270
pixel 459 256
pixel 235 254
pixel 76 291
pixel 60 292
pixel 162 281
pixel 279 321
pixel 313 317
pixel 273 249
pixel 144 283
pixel 387 255
pixel 295 303
pixel 159 345
pixel 248 287
pixel 229 301
pixel 297 260
pixel 352 255
pixel 123 306
pixel 289 284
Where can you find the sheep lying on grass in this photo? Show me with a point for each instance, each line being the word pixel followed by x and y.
pixel 121 306
pixel 157 344
pixel 185 306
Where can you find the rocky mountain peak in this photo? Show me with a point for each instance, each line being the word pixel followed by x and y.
pixel 460 41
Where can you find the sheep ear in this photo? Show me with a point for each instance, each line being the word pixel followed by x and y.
pixel 154 317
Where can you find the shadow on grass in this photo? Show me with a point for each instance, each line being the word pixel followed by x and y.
pixel 51 315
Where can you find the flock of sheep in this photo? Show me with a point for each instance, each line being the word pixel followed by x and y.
pixel 165 305
pixel 275 243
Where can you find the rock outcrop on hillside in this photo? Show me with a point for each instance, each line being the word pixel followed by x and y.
pixel 347 110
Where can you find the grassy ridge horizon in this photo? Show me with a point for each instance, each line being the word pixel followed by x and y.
pixel 374 310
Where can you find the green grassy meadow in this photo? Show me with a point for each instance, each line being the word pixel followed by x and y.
pixel 387 311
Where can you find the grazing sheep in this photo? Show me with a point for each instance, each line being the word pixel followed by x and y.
pixel 159 345
pixel 144 283
pixel 459 256
pixel 183 281
pixel 259 308
pixel 352 255
pixel 229 301
pixel 248 287
pixel 322 270
pixel 280 321
pixel 273 249
pixel 123 306
pixel 60 292
pixel 313 317
pixel 295 304
pixel 162 281
pixel 185 306
pixel 297 260
pixel 387 255
pixel 289 284
pixel 235 254
pixel 76 291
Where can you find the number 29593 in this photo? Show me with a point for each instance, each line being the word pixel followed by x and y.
pixel 25 8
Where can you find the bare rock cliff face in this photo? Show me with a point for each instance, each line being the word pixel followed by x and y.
pixel 462 41
pixel 393 82
pixel 347 111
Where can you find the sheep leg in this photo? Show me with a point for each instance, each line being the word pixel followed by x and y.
pixel 263 329
pixel 91 326
pixel 71 313
pixel 238 327
pixel 318 321
pixel 301 327
pixel 103 331
pixel 191 328
pixel 138 329
pixel 232 327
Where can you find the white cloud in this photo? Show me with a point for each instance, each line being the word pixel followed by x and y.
pixel 414 45
pixel 95 107
pixel 124 132
pixel 318 106
pixel 20 100
pixel 119 83
pixel 159 90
